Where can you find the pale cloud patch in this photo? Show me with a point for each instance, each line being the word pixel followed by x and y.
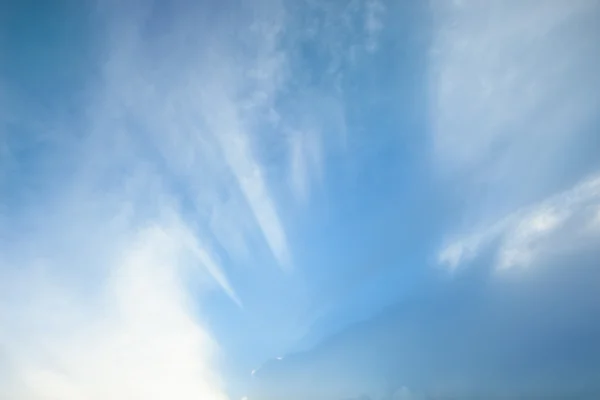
pixel 374 12
pixel 305 159
pixel 519 248
pixel 405 393
pixel 596 220
pixel 228 224
pixel 510 79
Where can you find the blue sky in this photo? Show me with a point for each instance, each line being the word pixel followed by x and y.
pixel 299 199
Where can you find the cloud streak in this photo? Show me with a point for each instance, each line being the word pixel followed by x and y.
pixel 251 181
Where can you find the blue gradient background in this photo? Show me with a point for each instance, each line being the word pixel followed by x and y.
pixel 393 200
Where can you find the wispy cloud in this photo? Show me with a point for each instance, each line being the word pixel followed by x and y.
pixel 249 175
pixel 560 224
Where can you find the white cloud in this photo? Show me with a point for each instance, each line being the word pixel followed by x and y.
pixel 133 336
pixel 558 224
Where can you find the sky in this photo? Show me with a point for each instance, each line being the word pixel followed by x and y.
pixel 282 200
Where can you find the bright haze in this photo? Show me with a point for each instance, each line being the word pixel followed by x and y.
pixel 299 199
